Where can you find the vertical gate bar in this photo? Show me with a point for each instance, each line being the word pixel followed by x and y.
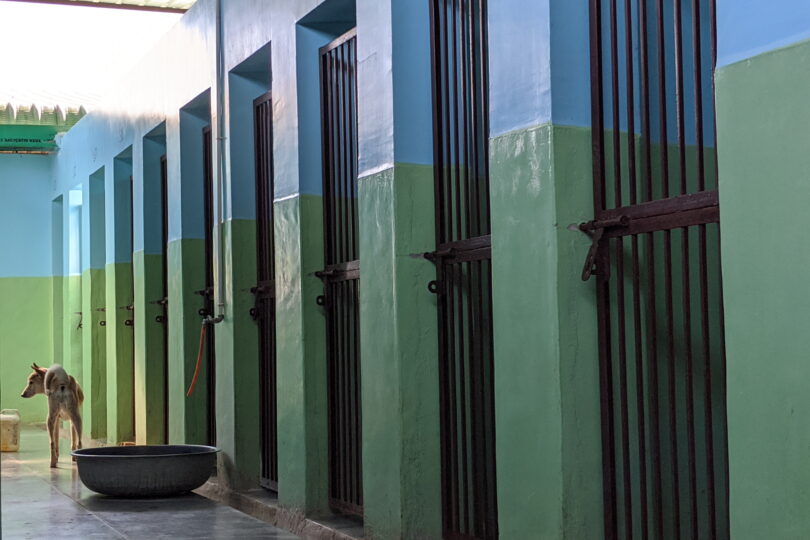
pixel 606 400
pixel 352 390
pixel 462 372
pixel 631 101
pixel 631 152
pixel 483 89
pixel 437 48
pixel 707 384
pixel 453 436
pixel 339 385
pixel 164 231
pixel 679 94
pixel 672 394
pixel 442 120
pixel 623 383
pixel 346 144
pixel 698 75
pixel 687 323
pixel 473 210
pixel 492 514
pixel 475 402
pixel 614 72
pixel 598 162
pixel 353 233
pixel 343 382
pixel 332 413
pixel 325 108
pixel 343 134
pixel 132 284
pixel 340 153
pixel 645 96
pixel 597 106
pixel 357 398
pixel 456 136
pixel 662 100
pixel 479 434
pixel 668 267
pixel 464 162
pixel 704 277
pixel 642 428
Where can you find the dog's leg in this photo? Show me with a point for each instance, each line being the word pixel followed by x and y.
pixel 76 420
pixel 52 436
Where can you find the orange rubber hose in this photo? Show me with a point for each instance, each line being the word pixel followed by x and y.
pixel 199 361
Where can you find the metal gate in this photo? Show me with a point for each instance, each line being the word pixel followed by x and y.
pixel 341 276
pixel 164 302
pixel 208 292
pixel 264 310
pixel 655 255
pixel 463 268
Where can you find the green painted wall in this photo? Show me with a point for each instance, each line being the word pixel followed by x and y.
pixel 546 371
pixel 149 355
pixel 58 317
pixel 26 336
pixel 399 361
pixel 187 415
pixel 74 326
pixel 301 371
pixel 94 354
pixel 237 366
pixel 762 122
pixel 120 353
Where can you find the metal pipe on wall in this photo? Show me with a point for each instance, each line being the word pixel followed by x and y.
pixel 218 124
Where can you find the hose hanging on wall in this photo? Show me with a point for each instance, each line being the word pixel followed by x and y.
pixel 199 359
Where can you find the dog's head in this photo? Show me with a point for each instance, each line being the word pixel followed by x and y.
pixel 36 382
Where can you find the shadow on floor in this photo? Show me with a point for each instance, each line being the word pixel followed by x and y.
pixel 40 502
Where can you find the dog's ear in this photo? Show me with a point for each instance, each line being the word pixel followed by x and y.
pixel 38 369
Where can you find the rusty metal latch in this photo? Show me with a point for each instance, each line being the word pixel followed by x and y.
pixel 595 230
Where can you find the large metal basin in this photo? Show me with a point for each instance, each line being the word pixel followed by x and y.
pixel 145 471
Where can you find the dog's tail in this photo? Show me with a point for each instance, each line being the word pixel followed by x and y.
pixel 79 393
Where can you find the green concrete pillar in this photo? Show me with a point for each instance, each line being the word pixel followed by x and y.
pixel 120 354
pixel 399 344
pixel 398 319
pixel 149 355
pixel 300 355
pixel 187 415
pixel 94 354
pixel 546 362
pixel 94 346
pixel 762 119
pixel 237 366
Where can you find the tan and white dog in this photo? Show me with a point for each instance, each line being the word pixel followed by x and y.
pixel 65 396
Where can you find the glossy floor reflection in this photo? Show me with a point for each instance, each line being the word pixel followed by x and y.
pixel 43 503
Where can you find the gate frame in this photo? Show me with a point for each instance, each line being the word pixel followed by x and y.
pixel 331 274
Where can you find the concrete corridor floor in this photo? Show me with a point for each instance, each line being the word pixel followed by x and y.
pixel 38 502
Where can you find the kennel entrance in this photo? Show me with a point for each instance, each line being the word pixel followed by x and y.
pixel 208 292
pixel 341 276
pixel 655 257
pixel 264 309
pixel 163 318
pixel 463 268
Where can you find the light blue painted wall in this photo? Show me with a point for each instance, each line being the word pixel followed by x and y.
pixel 94 246
pixel 746 28
pixel 25 215
pixel 519 65
pixel 119 210
pixel 74 232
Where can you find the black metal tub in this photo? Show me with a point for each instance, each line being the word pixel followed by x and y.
pixel 146 470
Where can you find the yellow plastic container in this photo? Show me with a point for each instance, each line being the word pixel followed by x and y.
pixel 9 430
